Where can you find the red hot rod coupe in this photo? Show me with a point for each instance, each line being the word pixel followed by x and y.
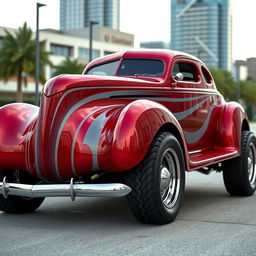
pixel 131 124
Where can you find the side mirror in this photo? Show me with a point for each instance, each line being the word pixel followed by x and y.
pixel 178 77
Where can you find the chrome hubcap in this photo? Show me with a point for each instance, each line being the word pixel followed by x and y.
pixel 169 178
pixel 251 164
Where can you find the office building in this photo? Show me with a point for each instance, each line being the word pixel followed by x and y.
pixel 245 69
pixel 77 14
pixel 251 66
pixel 203 28
pixel 73 44
pixel 240 71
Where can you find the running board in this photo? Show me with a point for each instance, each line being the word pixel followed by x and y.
pixel 204 158
pixel 63 190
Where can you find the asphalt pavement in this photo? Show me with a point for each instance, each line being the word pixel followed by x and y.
pixel 210 223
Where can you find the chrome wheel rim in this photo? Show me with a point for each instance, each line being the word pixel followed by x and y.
pixel 169 178
pixel 251 164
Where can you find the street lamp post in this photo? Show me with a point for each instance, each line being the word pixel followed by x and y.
pixel 90 38
pixel 37 56
pixel 237 67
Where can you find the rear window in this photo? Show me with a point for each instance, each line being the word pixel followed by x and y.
pixel 206 75
pixel 141 67
pixel 106 69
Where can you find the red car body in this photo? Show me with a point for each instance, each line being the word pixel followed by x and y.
pixel 139 117
pixel 107 123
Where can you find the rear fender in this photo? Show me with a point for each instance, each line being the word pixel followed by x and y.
pixel 15 121
pixel 136 127
pixel 230 126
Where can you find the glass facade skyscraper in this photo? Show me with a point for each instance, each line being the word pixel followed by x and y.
pixel 76 14
pixel 203 28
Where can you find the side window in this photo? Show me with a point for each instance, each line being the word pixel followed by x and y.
pixel 206 75
pixel 106 69
pixel 188 71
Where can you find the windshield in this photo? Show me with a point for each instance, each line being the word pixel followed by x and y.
pixel 141 67
pixel 129 67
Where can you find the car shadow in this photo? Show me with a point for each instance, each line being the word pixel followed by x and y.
pixel 61 212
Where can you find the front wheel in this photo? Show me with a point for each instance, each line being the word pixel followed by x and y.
pixel 18 204
pixel 239 173
pixel 158 183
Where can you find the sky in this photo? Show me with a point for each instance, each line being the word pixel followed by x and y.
pixel 148 20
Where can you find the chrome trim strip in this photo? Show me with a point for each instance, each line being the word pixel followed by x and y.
pixel 170 99
pixel 195 152
pixel 213 158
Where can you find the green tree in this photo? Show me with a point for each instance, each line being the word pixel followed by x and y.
pixel 248 94
pixel 17 57
pixel 248 91
pixel 225 83
pixel 69 66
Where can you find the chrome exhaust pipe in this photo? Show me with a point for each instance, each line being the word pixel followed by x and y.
pixel 62 190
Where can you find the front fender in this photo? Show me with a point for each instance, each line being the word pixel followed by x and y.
pixel 136 127
pixel 233 116
pixel 15 120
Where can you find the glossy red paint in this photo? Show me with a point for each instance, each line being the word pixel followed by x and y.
pixel 137 125
pixel 16 124
pixel 107 123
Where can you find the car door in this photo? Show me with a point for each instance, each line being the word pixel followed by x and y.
pixel 192 101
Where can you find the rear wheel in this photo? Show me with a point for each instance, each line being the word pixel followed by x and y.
pixel 239 174
pixel 18 204
pixel 158 182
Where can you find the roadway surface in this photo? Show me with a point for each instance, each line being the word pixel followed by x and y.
pixel 210 223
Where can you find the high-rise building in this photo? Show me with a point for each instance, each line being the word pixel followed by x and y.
pixel 77 14
pixel 203 28
pixel 155 45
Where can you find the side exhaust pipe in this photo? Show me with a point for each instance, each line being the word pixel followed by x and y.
pixel 63 190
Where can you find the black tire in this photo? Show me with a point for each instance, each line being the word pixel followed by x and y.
pixel 17 204
pixel 239 173
pixel 149 201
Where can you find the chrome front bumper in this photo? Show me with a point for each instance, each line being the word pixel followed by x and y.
pixel 61 190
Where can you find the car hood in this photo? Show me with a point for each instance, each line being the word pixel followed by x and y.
pixel 64 82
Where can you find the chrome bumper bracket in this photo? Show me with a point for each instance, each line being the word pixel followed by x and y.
pixel 72 191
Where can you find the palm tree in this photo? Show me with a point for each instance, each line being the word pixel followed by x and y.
pixel 17 57
pixel 69 66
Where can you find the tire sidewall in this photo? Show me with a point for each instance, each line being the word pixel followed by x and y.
pixel 169 141
pixel 250 139
pixel 19 204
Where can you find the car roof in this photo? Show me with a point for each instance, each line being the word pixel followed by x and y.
pixel 145 53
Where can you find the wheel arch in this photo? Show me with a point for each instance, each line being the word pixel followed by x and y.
pixel 170 127
pixel 138 124
pixel 232 122
pixel 245 125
